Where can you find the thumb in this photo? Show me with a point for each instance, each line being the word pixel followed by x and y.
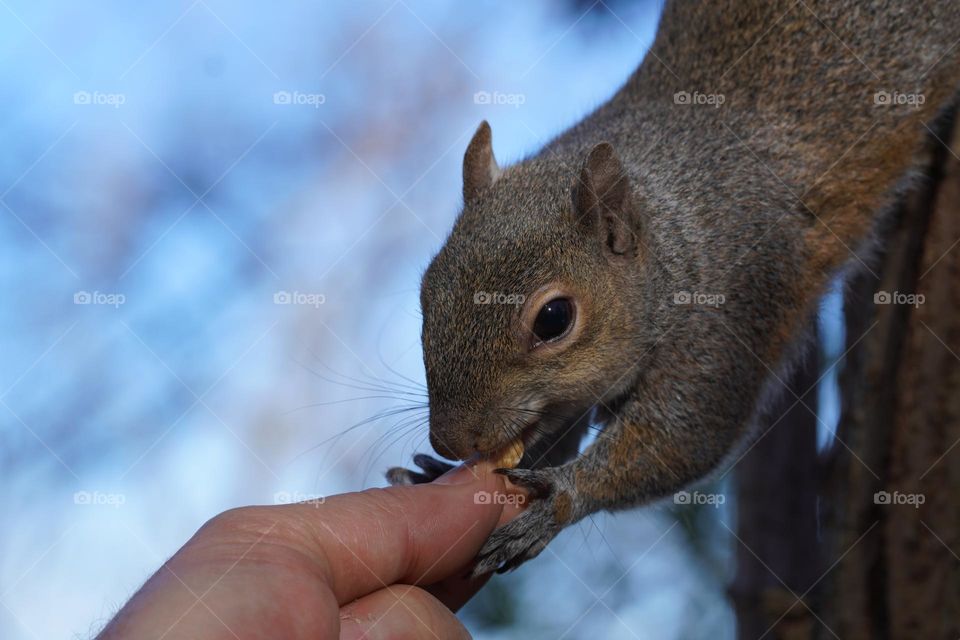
pixel 419 534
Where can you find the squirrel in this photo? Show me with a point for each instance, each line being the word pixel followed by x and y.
pixel 653 268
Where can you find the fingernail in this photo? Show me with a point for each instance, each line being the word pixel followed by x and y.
pixel 464 474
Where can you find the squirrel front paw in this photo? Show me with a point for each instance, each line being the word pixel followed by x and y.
pixel 525 536
pixel 430 470
pixel 528 534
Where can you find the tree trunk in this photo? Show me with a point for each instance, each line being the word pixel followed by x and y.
pixel 886 556
pixel 894 520
pixel 776 515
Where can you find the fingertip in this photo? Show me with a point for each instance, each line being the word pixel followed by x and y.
pixel 463 474
pixel 491 488
pixel 472 471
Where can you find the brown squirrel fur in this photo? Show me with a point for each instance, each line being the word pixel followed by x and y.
pixel 761 199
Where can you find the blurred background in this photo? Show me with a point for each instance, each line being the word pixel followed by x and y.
pixel 213 220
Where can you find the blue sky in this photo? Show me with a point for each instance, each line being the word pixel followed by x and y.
pixel 172 173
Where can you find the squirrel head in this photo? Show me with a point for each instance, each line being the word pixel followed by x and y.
pixel 532 309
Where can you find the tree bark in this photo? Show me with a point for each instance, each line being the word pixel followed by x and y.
pixel 893 519
pixel 887 556
pixel 776 515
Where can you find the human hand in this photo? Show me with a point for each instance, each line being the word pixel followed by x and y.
pixel 374 564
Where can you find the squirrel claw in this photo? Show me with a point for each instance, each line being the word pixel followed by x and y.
pixel 431 470
pixel 400 477
pixel 431 466
pixel 539 484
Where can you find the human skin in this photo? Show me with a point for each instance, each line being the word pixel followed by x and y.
pixel 381 563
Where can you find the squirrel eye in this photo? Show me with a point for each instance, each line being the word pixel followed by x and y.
pixel 553 320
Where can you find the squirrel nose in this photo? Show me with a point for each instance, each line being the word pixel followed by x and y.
pixel 448 436
pixel 445 448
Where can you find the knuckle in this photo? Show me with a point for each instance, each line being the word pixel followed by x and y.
pixel 239 520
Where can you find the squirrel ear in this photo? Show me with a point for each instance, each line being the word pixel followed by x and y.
pixel 480 168
pixel 602 200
